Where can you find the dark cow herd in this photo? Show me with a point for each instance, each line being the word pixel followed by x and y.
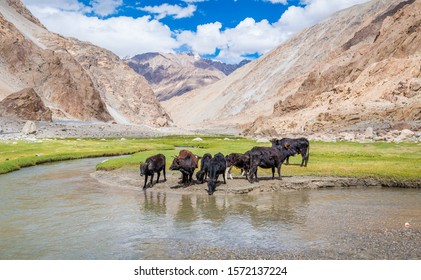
pixel 211 167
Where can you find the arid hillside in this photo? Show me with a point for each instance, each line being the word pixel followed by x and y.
pixel 75 80
pixel 359 68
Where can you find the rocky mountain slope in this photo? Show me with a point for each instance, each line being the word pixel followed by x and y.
pixel 175 74
pixel 359 68
pixel 75 80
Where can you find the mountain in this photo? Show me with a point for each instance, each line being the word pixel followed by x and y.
pixel 175 74
pixel 75 80
pixel 357 69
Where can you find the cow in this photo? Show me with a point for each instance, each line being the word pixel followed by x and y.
pixel 186 162
pixel 268 157
pixel 241 161
pixel 217 166
pixel 152 165
pixel 204 168
pixel 299 145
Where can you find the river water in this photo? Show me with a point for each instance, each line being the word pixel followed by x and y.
pixel 57 211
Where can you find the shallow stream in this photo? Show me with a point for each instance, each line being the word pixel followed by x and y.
pixel 57 211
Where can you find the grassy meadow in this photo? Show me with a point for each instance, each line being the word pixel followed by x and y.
pixel 377 160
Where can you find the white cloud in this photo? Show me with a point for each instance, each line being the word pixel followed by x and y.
pixel 129 36
pixel 105 7
pixel 297 18
pixel 194 1
pixel 205 40
pixel 122 35
pixel 65 5
pixel 174 11
pixel 277 1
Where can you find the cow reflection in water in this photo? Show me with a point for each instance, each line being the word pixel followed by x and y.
pixel 256 209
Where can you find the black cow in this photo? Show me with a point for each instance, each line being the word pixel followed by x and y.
pixel 186 163
pixel 204 168
pixel 153 164
pixel 298 145
pixel 241 161
pixel 268 157
pixel 217 166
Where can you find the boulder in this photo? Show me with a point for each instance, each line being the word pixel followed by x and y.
pixel 25 104
pixel 369 133
pixel 29 128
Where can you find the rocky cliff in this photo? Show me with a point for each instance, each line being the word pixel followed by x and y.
pixel 75 79
pixel 175 74
pixel 359 68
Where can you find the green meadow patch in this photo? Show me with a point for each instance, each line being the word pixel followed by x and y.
pixel 345 159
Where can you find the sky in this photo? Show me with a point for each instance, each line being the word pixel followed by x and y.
pixel 224 30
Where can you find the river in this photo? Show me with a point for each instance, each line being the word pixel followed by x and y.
pixel 57 211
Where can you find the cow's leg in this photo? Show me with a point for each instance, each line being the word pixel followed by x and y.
pixel 223 176
pixel 190 177
pixel 165 176
pixel 146 181
pixel 279 171
pixel 228 172
pixel 152 179
pixel 273 172
pixel 305 159
pixel 159 174
pixel 287 160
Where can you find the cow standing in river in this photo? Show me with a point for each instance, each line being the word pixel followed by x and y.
pixel 152 165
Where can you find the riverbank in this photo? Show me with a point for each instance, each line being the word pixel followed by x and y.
pixel 129 178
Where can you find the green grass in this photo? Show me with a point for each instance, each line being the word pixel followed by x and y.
pixel 377 160
pixel 17 154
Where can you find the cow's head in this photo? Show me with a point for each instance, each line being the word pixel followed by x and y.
pixel 143 167
pixel 200 175
pixel 211 186
pixel 175 163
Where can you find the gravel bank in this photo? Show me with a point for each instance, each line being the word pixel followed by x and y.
pixel 129 178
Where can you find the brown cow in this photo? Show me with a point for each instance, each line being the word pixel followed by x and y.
pixel 186 162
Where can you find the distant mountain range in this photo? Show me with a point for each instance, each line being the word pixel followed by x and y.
pixel 358 69
pixel 175 74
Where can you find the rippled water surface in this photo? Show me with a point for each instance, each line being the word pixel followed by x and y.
pixel 57 211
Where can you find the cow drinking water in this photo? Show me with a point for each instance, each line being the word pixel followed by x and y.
pixel 217 166
pixel 204 168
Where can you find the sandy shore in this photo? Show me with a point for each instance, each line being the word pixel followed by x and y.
pixel 129 178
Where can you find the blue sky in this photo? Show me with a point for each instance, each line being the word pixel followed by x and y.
pixel 226 30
